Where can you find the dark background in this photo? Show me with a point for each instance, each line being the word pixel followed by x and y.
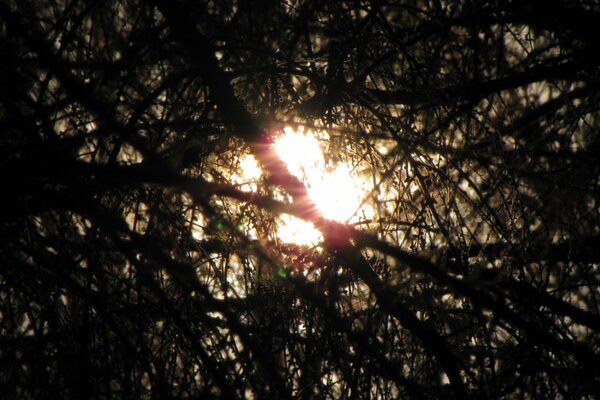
pixel 133 266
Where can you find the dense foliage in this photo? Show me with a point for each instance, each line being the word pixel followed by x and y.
pixel 136 262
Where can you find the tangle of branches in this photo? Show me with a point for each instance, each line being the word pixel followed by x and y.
pixel 139 260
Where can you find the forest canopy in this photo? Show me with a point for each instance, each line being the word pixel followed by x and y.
pixel 300 199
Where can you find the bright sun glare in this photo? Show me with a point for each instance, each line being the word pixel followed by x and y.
pixel 337 192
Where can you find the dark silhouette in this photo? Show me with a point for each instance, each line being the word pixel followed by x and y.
pixel 134 264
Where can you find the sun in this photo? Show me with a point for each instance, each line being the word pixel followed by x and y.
pixel 337 190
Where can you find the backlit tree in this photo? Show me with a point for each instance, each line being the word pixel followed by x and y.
pixel 445 238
